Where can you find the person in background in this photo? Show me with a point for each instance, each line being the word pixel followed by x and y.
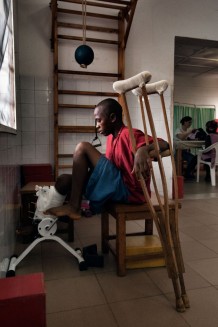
pixel 182 133
pixel 212 137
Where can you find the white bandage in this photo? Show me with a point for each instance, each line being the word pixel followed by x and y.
pixel 152 88
pixel 132 82
pixel 48 197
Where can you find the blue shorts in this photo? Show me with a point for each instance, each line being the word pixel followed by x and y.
pixel 105 183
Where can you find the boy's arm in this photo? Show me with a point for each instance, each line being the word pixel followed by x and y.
pixel 142 161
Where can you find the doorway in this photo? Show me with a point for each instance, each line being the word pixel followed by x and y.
pixel 196 84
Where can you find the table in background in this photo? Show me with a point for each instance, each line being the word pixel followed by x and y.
pixel 182 145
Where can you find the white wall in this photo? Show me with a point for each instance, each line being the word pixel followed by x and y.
pixel 196 91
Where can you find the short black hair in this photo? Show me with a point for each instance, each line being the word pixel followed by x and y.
pixel 211 126
pixel 185 119
pixel 111 106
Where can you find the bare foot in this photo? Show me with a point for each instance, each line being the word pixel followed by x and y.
pixel 65 210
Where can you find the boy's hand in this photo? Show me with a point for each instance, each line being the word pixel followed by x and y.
pixel 142 163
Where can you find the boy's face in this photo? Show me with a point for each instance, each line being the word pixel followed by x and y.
pixel 104 123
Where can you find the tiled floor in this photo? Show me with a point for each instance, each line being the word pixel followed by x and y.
pixel 97 297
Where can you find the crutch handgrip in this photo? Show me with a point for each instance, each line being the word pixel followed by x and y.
pixel 152 88
pixel 158 87
pixel 125 85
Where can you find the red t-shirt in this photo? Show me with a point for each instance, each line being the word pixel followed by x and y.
pixel 119 151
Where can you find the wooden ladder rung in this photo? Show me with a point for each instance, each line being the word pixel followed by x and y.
pixel 88 28
pixel 65 155
pixel 88 14
pixel 76 129
pixel 110 94
pixel 118 5
pixel 76 106
pixel 64 166
pixel 88 39
pixel 79 72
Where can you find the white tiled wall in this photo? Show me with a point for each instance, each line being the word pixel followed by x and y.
pixel 36 101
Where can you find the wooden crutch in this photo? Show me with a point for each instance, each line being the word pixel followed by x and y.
pixel 159 88
pixel 162 223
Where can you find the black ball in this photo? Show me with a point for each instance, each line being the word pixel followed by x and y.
pixel 84 55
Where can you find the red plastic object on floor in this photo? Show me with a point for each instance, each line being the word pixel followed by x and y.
pixel 22 301
pixel 180 181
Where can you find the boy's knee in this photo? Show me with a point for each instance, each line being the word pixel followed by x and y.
pixel 82 146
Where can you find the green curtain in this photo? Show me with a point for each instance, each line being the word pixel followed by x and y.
pixel 203 115
pixel 200 115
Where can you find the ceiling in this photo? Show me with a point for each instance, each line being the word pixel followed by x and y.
pixel 196 57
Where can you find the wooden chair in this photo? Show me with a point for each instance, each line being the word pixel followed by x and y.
pixel 164 211
pixel 123 213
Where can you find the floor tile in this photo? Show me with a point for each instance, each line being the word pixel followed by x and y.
pixel 70 293
pixel 207 268
pixel 95 316
pixel 153 311
pixel 192 279
pixel 134 285
pixel 195 251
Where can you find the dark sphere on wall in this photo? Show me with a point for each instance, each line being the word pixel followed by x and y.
pixel 84 55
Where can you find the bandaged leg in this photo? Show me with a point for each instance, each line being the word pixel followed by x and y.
pixel 48 197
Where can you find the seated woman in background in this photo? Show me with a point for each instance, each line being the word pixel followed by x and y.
pixel 182 134
pixel 212 137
